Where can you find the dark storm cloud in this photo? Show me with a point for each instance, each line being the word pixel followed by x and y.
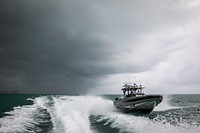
pixel 52 46
pixel 68 46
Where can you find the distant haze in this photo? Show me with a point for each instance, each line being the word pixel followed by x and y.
pixel 90 46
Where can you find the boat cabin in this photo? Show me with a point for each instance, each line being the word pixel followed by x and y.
pixel 134 90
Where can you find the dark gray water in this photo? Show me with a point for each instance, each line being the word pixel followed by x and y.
pixel 95 114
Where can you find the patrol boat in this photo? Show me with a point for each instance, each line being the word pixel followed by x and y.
pixel 134 100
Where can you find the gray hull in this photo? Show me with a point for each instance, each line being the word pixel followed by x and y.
pixel 141 104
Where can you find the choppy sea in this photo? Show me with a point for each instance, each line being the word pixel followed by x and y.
pixel 95 114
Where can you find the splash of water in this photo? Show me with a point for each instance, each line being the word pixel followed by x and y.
pixel 138 124
pixel 22 118
pixel 74 111
pixel 72 114
pixel 165 104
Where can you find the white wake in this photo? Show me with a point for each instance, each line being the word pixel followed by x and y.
pixel 138 124
pixel 23 118
pixel 71 113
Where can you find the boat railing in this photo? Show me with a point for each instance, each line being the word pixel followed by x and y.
pixel 132 90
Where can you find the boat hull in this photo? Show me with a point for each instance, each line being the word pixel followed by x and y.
pixel 142 104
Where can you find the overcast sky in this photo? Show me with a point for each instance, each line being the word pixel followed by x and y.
pixel 94 46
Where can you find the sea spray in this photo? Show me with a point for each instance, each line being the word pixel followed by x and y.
pixel 23 118
pixel 74 111
pixel 63 114
pixel 140 124
pixel 165 104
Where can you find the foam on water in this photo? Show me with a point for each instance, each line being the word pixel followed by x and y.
pixel 22 118
pixel 71 113
pixel 68 114
pixel 138 124
pixel 165 104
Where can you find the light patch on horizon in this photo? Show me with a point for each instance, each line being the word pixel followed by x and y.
pixel 177 73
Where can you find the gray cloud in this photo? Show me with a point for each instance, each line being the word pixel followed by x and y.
pixel 48 47
pixel 70 46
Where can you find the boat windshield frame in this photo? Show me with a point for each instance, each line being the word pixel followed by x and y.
pixel 130 90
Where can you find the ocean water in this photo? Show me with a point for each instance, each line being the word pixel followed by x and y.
pixel 95 114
